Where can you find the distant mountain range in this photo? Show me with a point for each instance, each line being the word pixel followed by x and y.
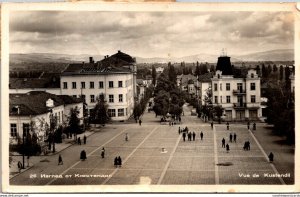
pixel 274 55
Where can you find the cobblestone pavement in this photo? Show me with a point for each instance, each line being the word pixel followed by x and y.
pixel 145 162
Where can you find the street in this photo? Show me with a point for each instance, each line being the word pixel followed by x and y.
pixel 145 162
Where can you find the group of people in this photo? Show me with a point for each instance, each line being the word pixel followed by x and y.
pixel 247 145
pixel 79 140
pixel 232 137
pixel 190 135
pixel 118 162
pixel 254 126
pixel 225 146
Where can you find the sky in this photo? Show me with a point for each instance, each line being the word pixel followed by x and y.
pixel 150 34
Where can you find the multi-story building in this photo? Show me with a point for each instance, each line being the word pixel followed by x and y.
pixel 34 109
pixel 237 92
pixel 113 77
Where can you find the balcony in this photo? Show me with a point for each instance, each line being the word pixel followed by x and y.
pixel 239 92
pixel 239 105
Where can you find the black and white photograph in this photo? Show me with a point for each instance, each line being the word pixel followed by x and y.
pixel 149 97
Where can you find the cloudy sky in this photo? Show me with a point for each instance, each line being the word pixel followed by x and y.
pixel 152 34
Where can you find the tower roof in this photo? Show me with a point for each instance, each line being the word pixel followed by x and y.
pixel 224 65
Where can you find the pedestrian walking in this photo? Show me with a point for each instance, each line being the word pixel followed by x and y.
pixel 245 146
pixel 116 162
pixel 212 125
pixel 126 137
pixel 179 131
pixel 103 152
pixel 140 122
pixel 60 161
pixel 119 161
pixel 183 136
pixel 179 119
pixel 227 148
pixel 190 136
pixel 271 157
pixel 254 126
pixel 230 137
pixel 227 125
pixel 194 136
pixel 83 155
pixel 201 135
pixel 84 139
pixel 79 141
pixel 248 145
pixel 223 143
pixel 248 125
pixel 20 166
pixel 234 137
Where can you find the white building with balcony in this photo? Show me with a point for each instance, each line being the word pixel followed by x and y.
pixel 238 93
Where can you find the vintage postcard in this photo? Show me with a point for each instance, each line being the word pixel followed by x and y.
pixel 149 97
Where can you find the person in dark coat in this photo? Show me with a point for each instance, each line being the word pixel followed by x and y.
pixel 179 131
pixel 60 161
pixel 84 139
pixel 227 125
pixel 126 137
pixel 194 136
pixel 190 136
pixel 116 162
pixel 227 148
pixel 20 166
pixel 223 143
pixel 184 135
pixel 248 145
pixel 103 152
pixel 234 137
pixel 245 146
pixel 83 155
pixel 212 125
pixel 201 135
pixel 230 137
pixel 119 161
pixel 248 125
pixel 79 141
pixel 271 157
pixel 140 122
pixel 254 126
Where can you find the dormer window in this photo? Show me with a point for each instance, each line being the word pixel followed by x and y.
pixel 218 76
pixel 252 75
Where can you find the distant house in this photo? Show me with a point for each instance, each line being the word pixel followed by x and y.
pixel 49 84
pixel 35 108
pixel 185 81
pixel 159 70
pixel 204 86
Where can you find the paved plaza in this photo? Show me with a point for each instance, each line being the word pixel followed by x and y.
pixel 145 162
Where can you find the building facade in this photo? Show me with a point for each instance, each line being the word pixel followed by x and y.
pixel 238 95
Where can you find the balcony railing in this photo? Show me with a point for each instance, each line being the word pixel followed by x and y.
pixel 253 105
pixel 239 105
pixel 239 91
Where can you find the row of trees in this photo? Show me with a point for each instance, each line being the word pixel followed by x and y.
pixel 140 106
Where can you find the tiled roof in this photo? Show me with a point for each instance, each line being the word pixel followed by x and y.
pixel 23 83
pixel 34 102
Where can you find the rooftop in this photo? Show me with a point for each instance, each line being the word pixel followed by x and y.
pixel 34 102
pixel 23 83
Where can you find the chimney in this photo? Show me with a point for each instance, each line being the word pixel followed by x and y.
pixel 91 60
pixel 119 51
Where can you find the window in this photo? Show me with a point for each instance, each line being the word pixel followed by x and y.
pixel 216 99
pixel 120 97
pixel 101 84
pixel 110 84
pixel 252 98
pixel 13 130
pixel 83 97
pixel 220 87
pixel 111 98
pixel 65 85
pixel 221 99
pixel 120 112
pixel 74 85
pixel 216 87
pixel 25 128
pixel 227 86
pixel 240 87
pixel 252 86
pixel 252 75
pixel 82 85
pixel 92 98
pixel 227 99
pixel 91 85
pixel 120 84
pixel 111 112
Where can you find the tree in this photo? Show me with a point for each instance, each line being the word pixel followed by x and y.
pixel 258 71
pixel 212 69
pixel 197 70
pixel 269 70
pixel 153 75
pixel 275 69
pixel 137 111
pixel 100 111
pixel 161 100
pixel 74 121
pixel 172 73
pixel 281 72
pixel 218 111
